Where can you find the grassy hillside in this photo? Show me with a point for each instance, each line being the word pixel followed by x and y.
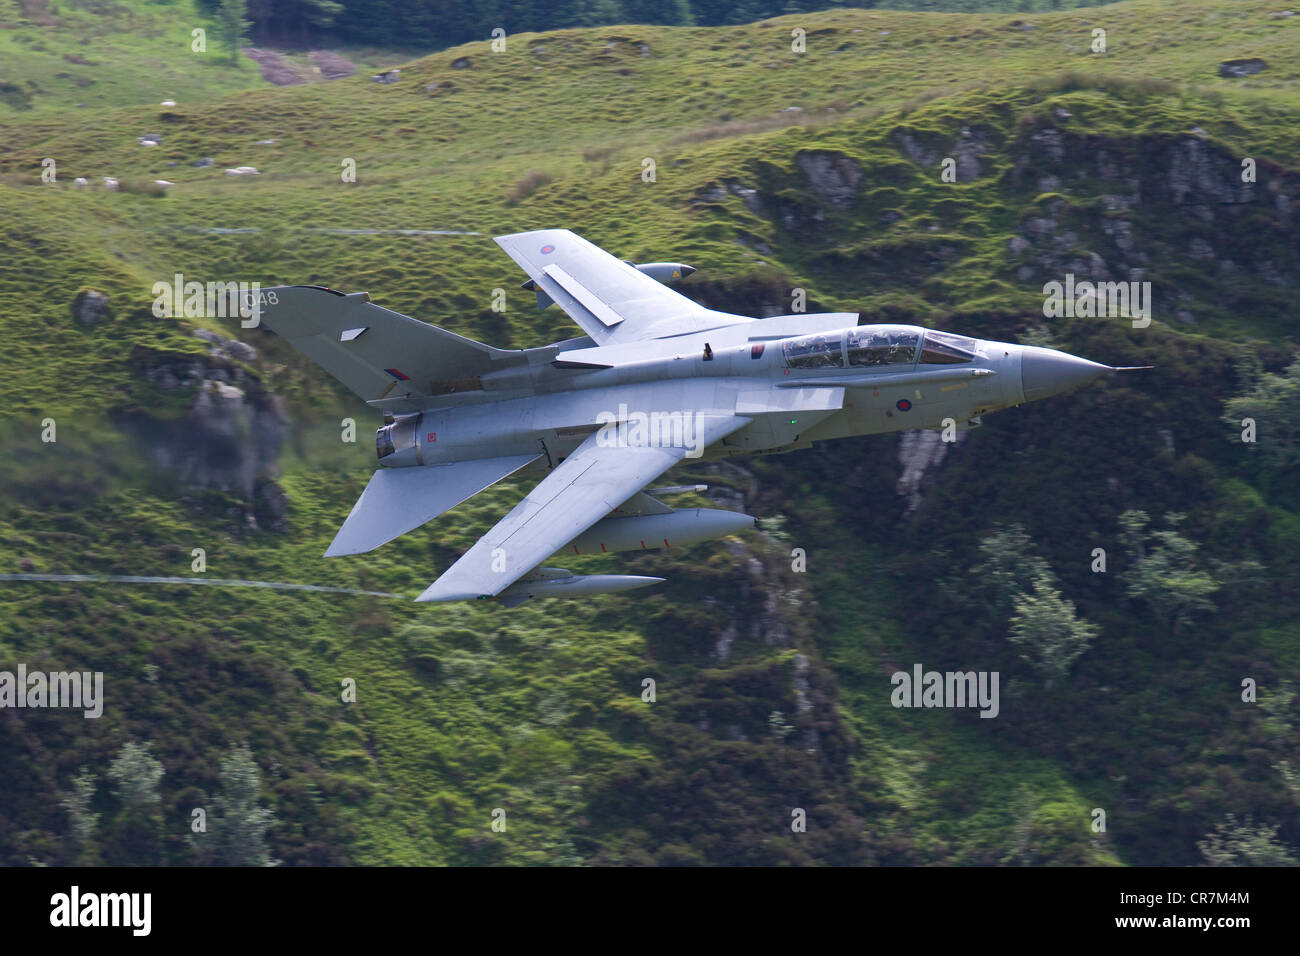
pixel 773 686
pixel 82 56
pixel 91 54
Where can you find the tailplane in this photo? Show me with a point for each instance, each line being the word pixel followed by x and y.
pixel 381 355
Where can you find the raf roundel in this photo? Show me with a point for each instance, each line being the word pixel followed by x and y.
pixel 547 250
pixel 903 405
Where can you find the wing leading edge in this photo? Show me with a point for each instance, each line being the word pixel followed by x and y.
pixel 588 485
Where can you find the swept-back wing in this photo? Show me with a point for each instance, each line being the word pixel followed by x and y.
pixel 398 500
pixel 611 301
pixel 585 487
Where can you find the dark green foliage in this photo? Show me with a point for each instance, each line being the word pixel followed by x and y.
pixel 239 823
pixel 442 23
pixel 1243 844
pixel 232 28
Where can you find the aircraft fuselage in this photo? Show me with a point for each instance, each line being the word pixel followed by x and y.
pixel 829 380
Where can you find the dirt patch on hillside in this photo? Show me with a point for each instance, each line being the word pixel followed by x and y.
pixel 331 65
pixel 38 12
pixel 274 67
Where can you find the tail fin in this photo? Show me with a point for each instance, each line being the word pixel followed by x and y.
pixel 379 354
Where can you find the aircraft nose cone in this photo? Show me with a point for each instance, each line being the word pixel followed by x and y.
pixel 1045 372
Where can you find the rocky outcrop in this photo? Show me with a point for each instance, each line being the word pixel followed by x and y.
pixel 1244 67
pixel 918 453
pixel 833 177
pixel 227 348
pixel 969 151
pixel 89 307
pixel 1188 169
pixel 1201 172
pixel 1117 195
pixel 910 145
pixel 717 192
pixel 229 437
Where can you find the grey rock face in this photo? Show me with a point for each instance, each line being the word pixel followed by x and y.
pixel 918 452
pixel 241 351
pixel 1186 178
pixel 227 348
pixel 832 176
pixel 1200 173
pixel 970 148
pixel 748 196
pixel 89 307
pixel 911 147
pixel 229 439
pixel 271 506
pixel 1243 67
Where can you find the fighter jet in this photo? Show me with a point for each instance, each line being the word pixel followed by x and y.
pixel 655 380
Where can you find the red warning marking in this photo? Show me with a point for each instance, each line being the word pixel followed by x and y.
pixel 433 436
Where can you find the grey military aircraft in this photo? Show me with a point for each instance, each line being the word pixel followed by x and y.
pixel 656 379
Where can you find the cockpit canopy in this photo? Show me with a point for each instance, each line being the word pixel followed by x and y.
pixel 944 348
pixel 866 346
pixel 869 345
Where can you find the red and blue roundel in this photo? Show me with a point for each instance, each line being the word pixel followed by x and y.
pixel 903 405
pixel 547 249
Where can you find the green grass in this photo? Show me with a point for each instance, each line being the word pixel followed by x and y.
pixel 81 57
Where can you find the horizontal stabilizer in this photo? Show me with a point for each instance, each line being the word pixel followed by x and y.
pixel 398 500
pixel 379 354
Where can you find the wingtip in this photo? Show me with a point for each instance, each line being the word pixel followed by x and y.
pixel 433 593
